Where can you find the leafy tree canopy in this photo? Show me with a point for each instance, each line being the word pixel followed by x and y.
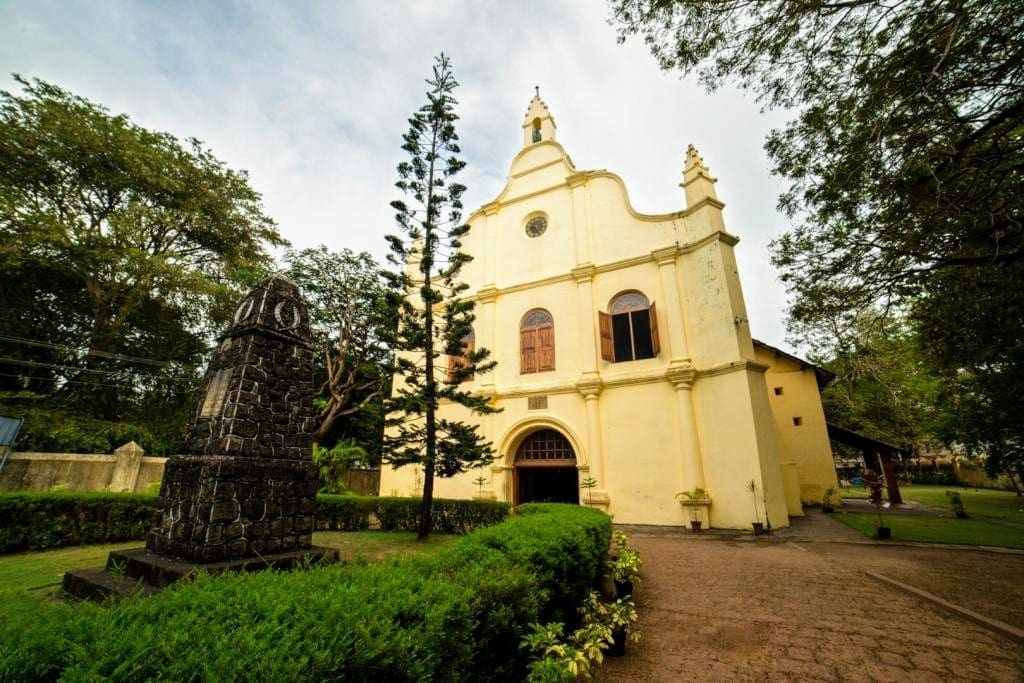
pixel 905 153
pixel 352 327
pixel 114 241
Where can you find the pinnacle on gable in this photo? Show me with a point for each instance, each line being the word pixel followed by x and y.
pixel 697 180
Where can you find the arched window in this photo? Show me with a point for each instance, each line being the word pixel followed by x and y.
pixel 536 130
pixel 461 361
pixel 630 331
pixel 536 342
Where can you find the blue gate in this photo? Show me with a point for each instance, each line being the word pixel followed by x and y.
pixel 9 428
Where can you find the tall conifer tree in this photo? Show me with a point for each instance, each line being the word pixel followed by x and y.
pixel 433 316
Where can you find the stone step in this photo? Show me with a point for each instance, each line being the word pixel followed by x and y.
pixel 139 572
pixel 99 584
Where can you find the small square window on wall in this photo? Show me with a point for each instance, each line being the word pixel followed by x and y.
pixel 797 421
pixel 778 391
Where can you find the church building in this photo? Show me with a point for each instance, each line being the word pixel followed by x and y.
pixel 626 372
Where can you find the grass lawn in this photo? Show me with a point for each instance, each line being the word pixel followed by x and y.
pixel 936 529
pixel 37 575
pixel 987 502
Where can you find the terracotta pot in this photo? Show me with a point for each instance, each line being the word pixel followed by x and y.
pixel 695 524
pixel 623 588
pixel 883 532
pixel 758 528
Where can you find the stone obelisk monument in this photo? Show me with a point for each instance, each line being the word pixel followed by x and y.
pixel 243 496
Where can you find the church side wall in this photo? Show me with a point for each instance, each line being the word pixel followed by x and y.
pixel 807 444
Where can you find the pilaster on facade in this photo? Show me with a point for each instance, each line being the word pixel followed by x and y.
pixel 666 256
pixel 487 294
pixel 681 374
pixel 584 273
pixel 590 386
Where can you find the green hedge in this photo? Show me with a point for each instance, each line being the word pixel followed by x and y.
pixel 456 616
pixel 34 521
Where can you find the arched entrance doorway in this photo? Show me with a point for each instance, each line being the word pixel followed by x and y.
pixel 545 467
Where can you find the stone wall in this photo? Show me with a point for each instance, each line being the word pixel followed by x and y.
pixel 81 472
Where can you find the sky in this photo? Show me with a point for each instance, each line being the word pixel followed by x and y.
pixel 312 99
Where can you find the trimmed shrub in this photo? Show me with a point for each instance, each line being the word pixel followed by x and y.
pixel 38 520
pixel 343 513
pixel 33 521
pixel 449 516
pixel 459 615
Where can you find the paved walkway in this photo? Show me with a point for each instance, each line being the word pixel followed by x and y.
pixel 802 608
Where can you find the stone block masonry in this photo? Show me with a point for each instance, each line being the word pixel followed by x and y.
pixel 243 496
pixel 247 485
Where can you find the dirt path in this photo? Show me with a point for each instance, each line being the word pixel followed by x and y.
pixel 802 610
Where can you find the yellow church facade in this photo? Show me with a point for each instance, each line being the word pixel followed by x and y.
pixel 624 356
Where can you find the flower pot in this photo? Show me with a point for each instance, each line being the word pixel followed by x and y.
pixel 695 524
pixel 883 532
pixel 623 588
pixel 827 508
pixel 758 528
pixel 618 646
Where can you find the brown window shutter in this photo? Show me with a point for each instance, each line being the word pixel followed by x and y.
pixel 655 342
pixel 469 347
pixel 604 322
pixel 546 348
pixel 527 351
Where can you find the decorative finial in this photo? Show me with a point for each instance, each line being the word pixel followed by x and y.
pixel 537 88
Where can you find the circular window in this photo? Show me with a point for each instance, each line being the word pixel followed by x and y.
pixel 536 226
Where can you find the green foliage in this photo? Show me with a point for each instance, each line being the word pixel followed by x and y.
pixel 883 388
pixel 54 430
pixel 434 316
pixel 49 520
pixel 448 516
pixel 123 251
pixel 624 562
pixel 335 461
pixel 956 503
pixel 61 518
pixel 458 615
pixel 351 325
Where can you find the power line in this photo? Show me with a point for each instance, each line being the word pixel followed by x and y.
pixel 91 352
pixel 117 385
pixel 75 368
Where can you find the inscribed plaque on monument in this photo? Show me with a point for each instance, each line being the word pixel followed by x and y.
pixel 215 394
pixel 537 402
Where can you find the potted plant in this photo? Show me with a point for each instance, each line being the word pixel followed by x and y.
pixel 758 524
pixel 874 484
pixel 693 501
pixel 624 565
pixel 957 503
pixel 826 500
pixel 589 484
pixel 621 616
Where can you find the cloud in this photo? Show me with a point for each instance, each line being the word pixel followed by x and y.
pixel 312 99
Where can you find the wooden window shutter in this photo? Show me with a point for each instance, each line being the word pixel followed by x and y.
pixel 655 342
pixel 546 348
pixel 467 348
pixel 604 322
pixel 527 351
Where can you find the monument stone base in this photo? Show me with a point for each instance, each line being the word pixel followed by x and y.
pixel 222 507
pixel 138 572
